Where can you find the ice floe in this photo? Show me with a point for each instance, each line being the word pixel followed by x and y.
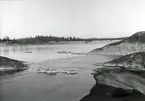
pixel 51 71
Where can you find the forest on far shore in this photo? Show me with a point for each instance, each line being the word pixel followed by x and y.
pixel 40 39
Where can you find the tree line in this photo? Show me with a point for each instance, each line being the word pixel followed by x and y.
pixel 40 39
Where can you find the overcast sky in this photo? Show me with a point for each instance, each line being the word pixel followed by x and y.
pixel 81 18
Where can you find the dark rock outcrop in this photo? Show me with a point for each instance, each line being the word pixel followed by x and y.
pixel 10 66
pixel 118 81
pixel 102 92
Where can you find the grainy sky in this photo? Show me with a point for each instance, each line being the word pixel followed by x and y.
pixel 81 18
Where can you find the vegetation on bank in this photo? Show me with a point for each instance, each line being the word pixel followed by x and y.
pixel 10 66
pixel 48 39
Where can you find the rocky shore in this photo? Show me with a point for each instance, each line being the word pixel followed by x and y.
pixel 10 66
pixel 121 79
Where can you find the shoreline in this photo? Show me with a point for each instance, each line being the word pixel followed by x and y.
pixel 57 43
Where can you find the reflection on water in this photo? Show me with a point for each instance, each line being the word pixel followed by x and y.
pixel 37 53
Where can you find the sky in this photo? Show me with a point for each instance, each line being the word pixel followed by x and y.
pixel 80 18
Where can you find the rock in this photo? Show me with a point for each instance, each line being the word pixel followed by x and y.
pixel 28 52
pixel 118 73
pixel 119 92
pixel 83 53
pixel 10 66
pixel 51 72
pixel 64 52
pixel 41 70
pixel 101 92
pixel 134 61
pixel 117 81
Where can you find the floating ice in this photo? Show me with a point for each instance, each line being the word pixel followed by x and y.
pixel 51 71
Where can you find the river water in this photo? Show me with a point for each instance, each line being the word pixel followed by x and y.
pixel 37 53
pixel 31 86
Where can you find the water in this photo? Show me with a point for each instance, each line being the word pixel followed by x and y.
pixel 31 86
pixel 37 53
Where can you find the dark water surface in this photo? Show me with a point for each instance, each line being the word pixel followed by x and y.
pixel 31 86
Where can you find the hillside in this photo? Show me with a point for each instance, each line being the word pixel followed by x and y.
pixel 134 43
pixel 137 37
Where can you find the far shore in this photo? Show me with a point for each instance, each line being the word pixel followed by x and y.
pixel 57 43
